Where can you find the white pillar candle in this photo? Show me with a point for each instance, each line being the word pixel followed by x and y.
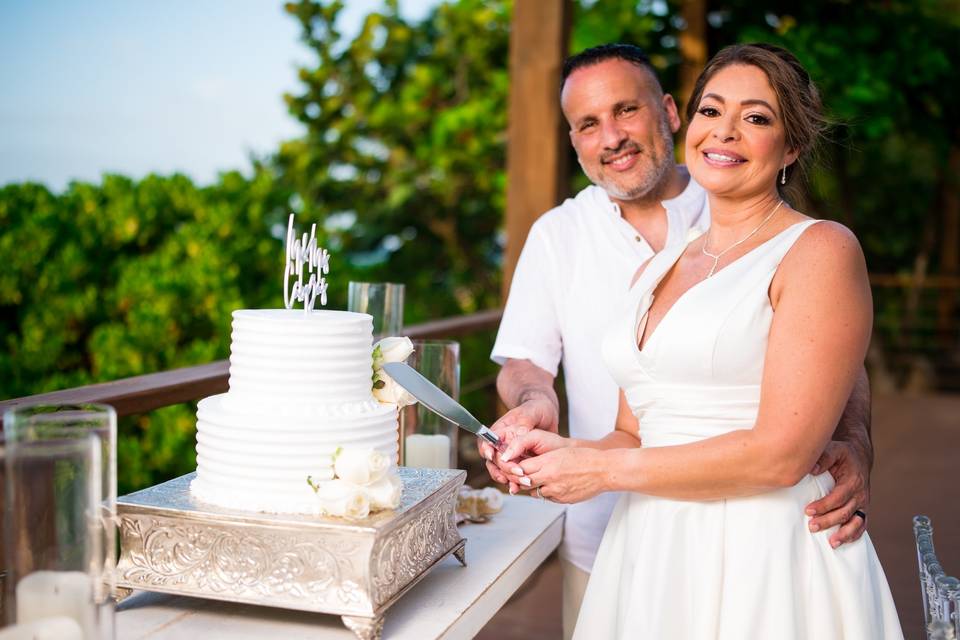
pixel 55 628
pixel 48 594
pixel 426 451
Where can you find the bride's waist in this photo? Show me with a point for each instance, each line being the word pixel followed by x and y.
pixel 666 434
pixel 775 506
pixel 670 415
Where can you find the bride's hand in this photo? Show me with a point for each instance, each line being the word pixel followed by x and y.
pixel 570 474
pixel 532 443
pixel 525 445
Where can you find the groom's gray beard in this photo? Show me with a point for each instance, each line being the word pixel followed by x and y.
pixel 652 180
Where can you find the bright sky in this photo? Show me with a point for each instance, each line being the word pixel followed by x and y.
pixel 133 87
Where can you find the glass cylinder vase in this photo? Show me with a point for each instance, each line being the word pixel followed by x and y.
pixel 57 581
pixel 383 301
pixel 429 441
pixel 35 437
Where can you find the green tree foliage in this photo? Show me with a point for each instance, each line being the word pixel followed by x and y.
pixel 405 148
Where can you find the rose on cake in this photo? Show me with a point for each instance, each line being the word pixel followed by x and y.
pixel 360 466
pixel 343 499
pixel 385 389
pixel 363 482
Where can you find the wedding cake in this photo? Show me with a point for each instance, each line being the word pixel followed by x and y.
pixel 300 389
pixel 299 430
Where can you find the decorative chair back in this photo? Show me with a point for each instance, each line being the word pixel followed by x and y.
pixel 940 592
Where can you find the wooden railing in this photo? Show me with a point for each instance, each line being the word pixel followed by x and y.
pixel 916 331
pixel 152 391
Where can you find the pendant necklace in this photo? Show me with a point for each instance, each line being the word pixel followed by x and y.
pixel 716 256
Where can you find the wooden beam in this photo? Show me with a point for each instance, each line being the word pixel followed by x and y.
pixel 693 58
pixel 152 391
pixel 537 142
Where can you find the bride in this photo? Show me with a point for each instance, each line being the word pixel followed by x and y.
pixel 735 355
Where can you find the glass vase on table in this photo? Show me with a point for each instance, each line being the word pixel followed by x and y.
pixel 58 571
pixel 427 440
pixel 383 301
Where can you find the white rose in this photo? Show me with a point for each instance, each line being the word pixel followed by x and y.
pixel 387 391
pixel 392 350
pixel 342 499
pixel 385 492
pixel 361 466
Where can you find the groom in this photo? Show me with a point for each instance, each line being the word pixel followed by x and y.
pixel 574 269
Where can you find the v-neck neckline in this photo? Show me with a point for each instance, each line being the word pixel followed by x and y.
pixel 638 319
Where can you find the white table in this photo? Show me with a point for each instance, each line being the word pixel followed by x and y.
pixel 450 602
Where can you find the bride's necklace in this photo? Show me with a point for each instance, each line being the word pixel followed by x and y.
pixel 716 256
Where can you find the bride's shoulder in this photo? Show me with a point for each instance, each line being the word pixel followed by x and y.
pixel 824 246
pixel 827 236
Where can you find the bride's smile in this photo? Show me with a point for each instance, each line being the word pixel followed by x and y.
pixel 736 142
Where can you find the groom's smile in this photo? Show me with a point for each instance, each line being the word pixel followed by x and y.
pixel 621 126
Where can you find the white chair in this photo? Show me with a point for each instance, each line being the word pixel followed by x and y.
pixel 940 592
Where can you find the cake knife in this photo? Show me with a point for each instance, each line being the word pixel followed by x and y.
pixel 433 398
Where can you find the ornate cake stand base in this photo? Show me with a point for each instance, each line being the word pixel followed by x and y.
pixel 173 543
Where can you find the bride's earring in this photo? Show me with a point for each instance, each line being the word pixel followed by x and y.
pixel 783 178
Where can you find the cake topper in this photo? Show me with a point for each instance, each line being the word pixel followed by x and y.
pixel 304 251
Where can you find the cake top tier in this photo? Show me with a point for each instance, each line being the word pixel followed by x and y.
pixel 296 317
pixel 291 357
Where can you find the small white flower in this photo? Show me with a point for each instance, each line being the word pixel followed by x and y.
pixel 391 350
pixel 387 391
pixel 385 492
pixel 343 499
pixel 361 466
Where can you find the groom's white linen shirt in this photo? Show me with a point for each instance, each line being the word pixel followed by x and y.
pixel 575 267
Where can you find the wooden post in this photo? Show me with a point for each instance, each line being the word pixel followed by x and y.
pixel 693 57
pixel 537 142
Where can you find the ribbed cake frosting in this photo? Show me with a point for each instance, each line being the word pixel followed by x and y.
pixel 300 386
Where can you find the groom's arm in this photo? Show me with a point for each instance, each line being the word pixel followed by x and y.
pixel 528 393
pixel 849 458
pixel 854 426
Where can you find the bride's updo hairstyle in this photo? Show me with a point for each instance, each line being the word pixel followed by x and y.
pixel 800 106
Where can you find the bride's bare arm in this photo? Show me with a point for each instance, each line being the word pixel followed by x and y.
pixel 817 343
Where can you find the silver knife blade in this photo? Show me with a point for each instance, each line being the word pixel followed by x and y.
pixel 434 398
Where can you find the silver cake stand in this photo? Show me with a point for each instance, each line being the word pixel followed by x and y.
pixel 174 543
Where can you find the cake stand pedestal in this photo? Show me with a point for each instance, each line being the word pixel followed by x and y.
pixel 173 543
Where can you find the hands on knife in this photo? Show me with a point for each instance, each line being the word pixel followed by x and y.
pixel 528 390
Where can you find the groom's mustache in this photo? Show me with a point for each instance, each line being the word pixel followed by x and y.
pixel 627 146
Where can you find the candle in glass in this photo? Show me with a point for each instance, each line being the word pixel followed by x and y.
pixel 427 451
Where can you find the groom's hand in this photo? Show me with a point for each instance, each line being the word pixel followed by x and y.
pixel 850 469
pixel 534 413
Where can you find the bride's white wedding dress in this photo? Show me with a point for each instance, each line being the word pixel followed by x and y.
pixel 732 569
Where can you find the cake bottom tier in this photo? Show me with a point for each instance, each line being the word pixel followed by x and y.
pixel 258 461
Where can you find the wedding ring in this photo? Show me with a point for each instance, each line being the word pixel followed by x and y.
pixel 539 495
pixel 862 515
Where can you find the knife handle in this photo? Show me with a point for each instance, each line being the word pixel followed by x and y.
pixel 491 437
pixel 495 440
